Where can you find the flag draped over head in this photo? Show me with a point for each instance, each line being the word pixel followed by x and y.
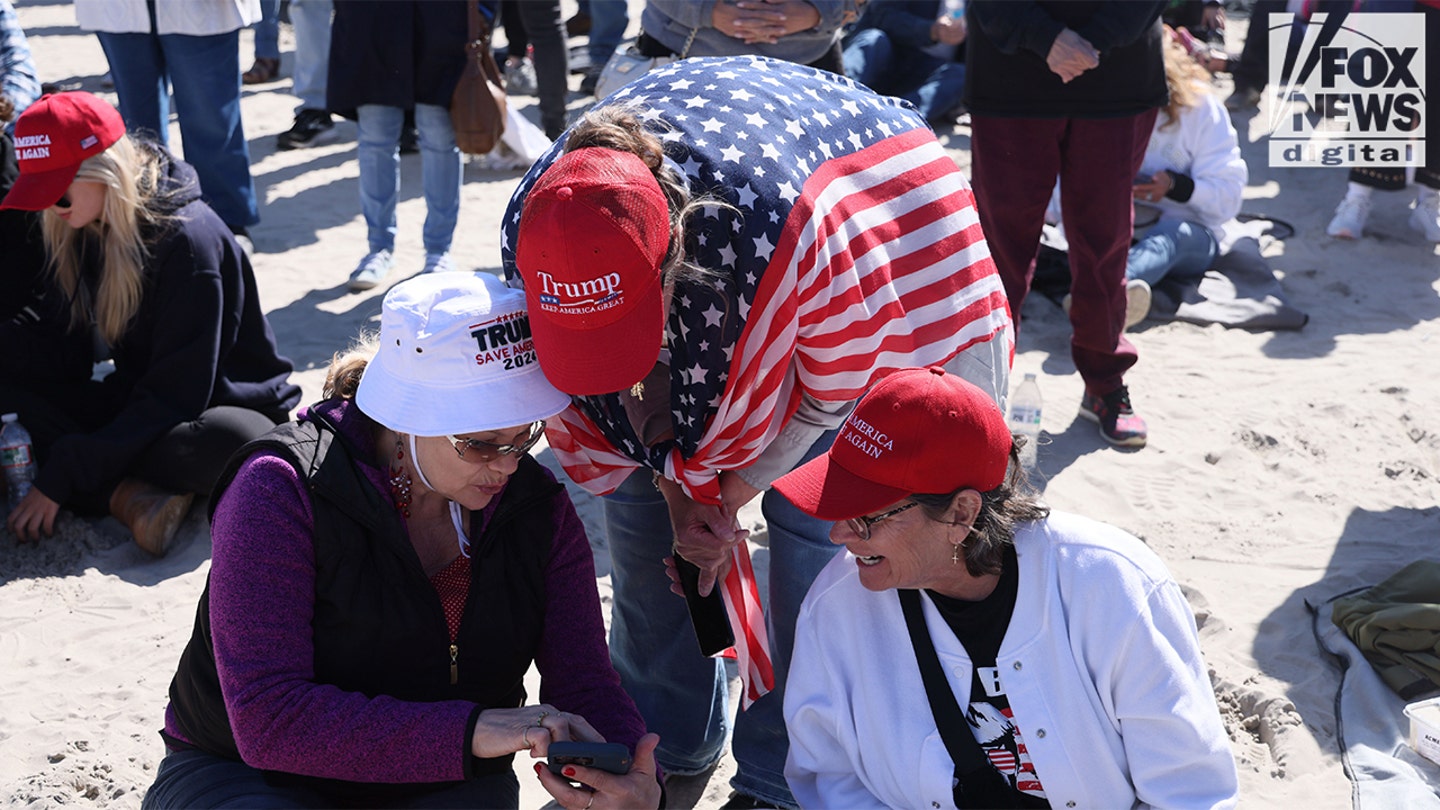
pixel 841 242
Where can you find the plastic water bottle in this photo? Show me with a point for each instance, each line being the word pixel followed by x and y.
pixel 1025 418
pixel 17 456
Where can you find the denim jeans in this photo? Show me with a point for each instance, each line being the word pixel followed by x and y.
pixel 204 72
pixel 194 779
pixel 683 695
pixel 608 20
pixel 267 30
pixel 440 164
pixel 311 20
pixel 1172 248
pixel 934 85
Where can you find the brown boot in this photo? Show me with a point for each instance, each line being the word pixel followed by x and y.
pixel 153 515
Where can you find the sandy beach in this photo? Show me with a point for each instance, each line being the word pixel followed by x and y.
pixel 1282 465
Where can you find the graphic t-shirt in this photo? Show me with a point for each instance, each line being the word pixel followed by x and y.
pixel 981 626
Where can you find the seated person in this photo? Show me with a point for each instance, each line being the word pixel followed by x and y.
pixel 912 49
pixel 1059 658
pixel 385 570
pixel 144 273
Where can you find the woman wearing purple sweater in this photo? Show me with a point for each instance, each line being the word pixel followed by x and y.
pixel 385 570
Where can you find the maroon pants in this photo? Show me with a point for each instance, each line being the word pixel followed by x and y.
pixel 1016 161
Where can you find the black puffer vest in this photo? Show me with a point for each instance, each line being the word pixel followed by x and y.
pixel 379 627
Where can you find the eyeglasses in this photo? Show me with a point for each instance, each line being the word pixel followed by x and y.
pixel 861 525
pixel 481 452
pixel 64 201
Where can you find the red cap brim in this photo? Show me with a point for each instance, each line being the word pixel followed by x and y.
pixel 822 488
pixel 36 191
pixel 602 359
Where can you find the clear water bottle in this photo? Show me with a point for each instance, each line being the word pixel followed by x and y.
pixel 17 456
pixel 1025 418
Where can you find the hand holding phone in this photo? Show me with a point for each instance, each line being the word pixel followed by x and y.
pixel 610 757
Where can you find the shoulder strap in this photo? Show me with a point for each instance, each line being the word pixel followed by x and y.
pixel 954 730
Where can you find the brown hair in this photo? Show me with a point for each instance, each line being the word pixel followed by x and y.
pixel 1014 501
pixel 1185 78
pixel 342 379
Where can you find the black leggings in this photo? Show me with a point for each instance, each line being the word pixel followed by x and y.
pixel 188 458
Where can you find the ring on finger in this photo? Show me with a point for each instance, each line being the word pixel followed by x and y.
pixel 587 804
pixel 526 738
pixel 541 719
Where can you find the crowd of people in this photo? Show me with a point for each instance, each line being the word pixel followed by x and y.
pixel 755 274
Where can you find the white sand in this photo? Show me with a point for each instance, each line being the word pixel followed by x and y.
pixel 1280 465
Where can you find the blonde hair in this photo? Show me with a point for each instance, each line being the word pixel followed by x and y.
pixel 618 127
pixel 130 173
pixel 1186 80
pixel 342 379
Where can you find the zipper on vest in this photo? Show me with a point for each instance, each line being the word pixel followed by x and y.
pixel 454 665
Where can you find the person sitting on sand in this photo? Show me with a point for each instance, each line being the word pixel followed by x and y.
pixel 1059 658
pixel 385 570
pixel 155 282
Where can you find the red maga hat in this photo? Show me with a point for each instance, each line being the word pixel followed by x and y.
pixel 919 430
pixel 52 138
pixel 595 230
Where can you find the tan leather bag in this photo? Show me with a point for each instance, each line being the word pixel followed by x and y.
pixel 477 108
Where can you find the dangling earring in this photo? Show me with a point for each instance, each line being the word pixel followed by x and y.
pixel 400 481
pixel 955 552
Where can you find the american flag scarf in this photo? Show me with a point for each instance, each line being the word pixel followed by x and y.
pixel 850 247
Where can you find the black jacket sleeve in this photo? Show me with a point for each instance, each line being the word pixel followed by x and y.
pixel 1015 25
pixel 1117 24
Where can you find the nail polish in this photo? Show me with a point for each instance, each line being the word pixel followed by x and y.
pixel 538 766
pixel 569 771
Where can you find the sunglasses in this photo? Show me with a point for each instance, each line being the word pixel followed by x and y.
pixel 64 201
pixel 482 452
pixel 861 525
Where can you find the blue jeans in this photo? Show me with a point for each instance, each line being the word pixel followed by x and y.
pixel 1172 248
pixel 194 779
pixel 267 30
pixel 311 20
pixel 608 20
pixel 440 164
pixel 935 86
pixel 204 73
pixel 683 695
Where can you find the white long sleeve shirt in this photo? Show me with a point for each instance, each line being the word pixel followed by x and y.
pixel 1203 145
pixel 1101 665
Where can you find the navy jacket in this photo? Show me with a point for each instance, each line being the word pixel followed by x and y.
pixel 198 340
pixel 1009 40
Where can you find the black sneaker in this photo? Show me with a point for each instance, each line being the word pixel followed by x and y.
pixel 311 128
pixel 409 141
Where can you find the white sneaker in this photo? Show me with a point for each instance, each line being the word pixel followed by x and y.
pixel 1350 216
pixel 438 263
pixel 1137 301
pixel 1426 216
pixel 372 269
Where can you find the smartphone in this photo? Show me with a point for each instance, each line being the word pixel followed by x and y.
pixel 707 613
pixel 611 757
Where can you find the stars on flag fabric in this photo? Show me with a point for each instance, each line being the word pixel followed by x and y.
pixel 844 244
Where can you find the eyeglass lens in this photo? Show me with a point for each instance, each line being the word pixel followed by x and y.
pixel 63 202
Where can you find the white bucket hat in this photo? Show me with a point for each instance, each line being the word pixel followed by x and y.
pixel 455 357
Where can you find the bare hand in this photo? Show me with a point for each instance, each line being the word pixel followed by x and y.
pixel 948 30
pixel 704 533
pixel 1155 188
pixel 638 788
pixel 1213 18
pixel 1071 55
pixel 33 517
pixel 764 21
pixel 504 731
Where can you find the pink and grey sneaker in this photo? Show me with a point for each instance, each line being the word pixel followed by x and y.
pixel 1118 422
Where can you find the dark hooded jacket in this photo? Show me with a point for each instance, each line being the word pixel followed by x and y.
pixel 198 340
